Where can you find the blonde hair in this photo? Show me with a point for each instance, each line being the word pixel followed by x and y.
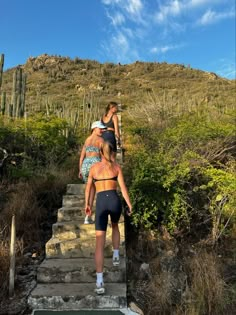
pixel 106 150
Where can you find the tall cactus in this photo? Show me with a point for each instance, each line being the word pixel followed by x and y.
pixel 12 112
pixel 18 93
pixel 3 103
pixel 23 90
pixel 1 68
pixel 3 95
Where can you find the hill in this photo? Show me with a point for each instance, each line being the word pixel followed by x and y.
pixel 62 82
pixel 183 193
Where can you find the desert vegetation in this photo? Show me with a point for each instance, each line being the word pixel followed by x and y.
pixel 179 136
pixel 182 184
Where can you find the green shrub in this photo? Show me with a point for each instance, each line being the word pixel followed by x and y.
pixel 37 142
pixel 175 183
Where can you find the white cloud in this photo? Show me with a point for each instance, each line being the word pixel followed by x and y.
pixel 177 8
pixel 174 8
pixel 226 68
pixel 129 32
pixel 121 41
pixel 210 17
pixel 164 49
pixel 117 19
pixel 110 2
pixel 134 24
pixel 121 48
pixel 134 7
pixel 198 3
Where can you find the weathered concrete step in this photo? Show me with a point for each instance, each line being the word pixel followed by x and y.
pixel 75 189
pixel 77 296
pixel 77 229
pixel 73 201
pixel 78 270
pixel 66 230
pixel 76 248
pixel 70 213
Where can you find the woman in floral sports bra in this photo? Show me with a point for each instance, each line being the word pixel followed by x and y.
pixel 90 154
pixel 110 120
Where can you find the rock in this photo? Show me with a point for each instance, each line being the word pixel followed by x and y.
pixel 133 307
pixel 145 271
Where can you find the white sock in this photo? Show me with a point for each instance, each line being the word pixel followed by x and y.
pixel 116 253
pixel 99 278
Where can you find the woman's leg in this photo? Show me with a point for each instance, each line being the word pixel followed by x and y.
pixel 99 251
pixel 115 236
pixel 99 261
pixel 116 244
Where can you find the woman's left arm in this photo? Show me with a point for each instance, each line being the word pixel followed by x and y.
pixel 124 190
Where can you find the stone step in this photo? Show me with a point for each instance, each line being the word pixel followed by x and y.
pixel 79 270
pixel 77 229
pixel 66 230
pixel 75 189
pixel 73 201
pixel 76 248
pixel 70 214
pixel 77 296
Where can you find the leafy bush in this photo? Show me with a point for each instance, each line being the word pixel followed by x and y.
pixel 38 141
pixel 176 184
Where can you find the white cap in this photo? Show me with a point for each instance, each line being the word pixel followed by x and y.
pixel 98 124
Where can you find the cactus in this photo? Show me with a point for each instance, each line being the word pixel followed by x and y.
pixel 3 103
pixel 10 110
pixel 1 68
pixel 18 93
pixel 23 90
pixel 13 95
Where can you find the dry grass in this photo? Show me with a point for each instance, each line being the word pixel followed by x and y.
pixel 205 291
pixel 186 283
pixel 5 263
pixel 207 287
pixel 4 266
pixel 32 203
pixel 161 107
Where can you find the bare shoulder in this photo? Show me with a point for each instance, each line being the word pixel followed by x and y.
pixel 87 140
pixel 93 167
pixel 117 166
pixel 115 117
pixel 100 141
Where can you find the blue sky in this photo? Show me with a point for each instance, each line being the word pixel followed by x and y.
pixel 199 33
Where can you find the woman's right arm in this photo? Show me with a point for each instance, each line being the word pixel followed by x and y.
pixel 124 190
pixel 116 126
pixel 87 209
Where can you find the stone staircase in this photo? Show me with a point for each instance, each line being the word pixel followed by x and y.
pixel 66 278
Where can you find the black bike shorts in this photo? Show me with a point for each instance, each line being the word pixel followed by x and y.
pixel 108 203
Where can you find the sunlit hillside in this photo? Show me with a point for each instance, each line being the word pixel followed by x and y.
pixel 60 82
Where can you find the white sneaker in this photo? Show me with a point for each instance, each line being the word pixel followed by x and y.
pixel 116 261
pixel 88 220
pixel 100 289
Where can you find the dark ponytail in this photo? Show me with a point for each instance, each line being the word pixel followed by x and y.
pixel 109 106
